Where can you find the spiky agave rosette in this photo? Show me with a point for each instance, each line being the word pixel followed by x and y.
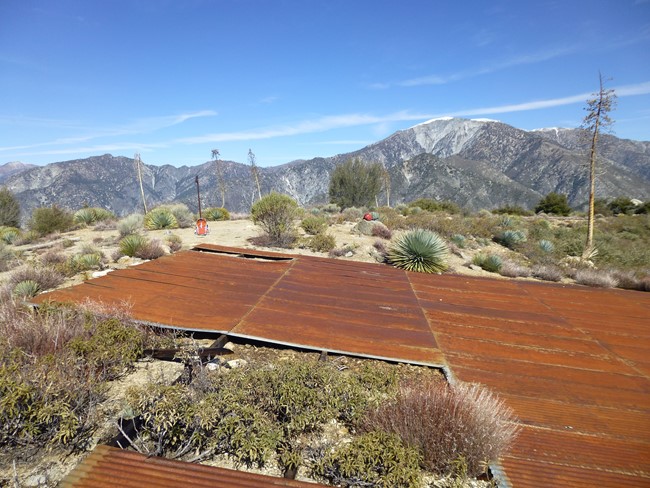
pixel 419 250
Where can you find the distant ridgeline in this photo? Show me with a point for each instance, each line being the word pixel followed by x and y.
pixel 475 163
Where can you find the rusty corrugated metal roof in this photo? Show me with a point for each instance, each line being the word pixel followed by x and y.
pixel 108 467
pixel 573 362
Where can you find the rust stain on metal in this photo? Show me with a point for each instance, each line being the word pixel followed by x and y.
pixel 573 362
pixel 109 467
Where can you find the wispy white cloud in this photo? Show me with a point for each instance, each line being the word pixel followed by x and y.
pixel 321 124
pixel 437 79
pixel 145 125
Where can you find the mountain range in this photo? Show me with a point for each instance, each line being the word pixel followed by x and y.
pixel 475 163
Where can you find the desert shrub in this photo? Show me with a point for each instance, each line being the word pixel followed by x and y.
pixel 314 225
pixel 355 183
pixel 7 258
pixel 9 208
pixel 322 243
pixel 352 214
pixel 152 249
pixel 92 215
pixel 380 247
pixel 595 278
pixel 488 262
pixel 445 423
pixel 373 459
pixel 216 214
pixel 48 393
pixel 275 213
pixel 419 250
pixel 130 225
pixel 514 270
pixel 53 257
pixel 512 210
pixel 9 235
pixel 553 203
pixel 621 205
pixel 643 209
pixel 382 232
pixel 174 242
pixel 510 238
pixel 46 277
pixel 132 244
pixel 331 208
pixel 392 219
pixel 160 218
pixel 547 272
pixel 631 280
pixel 340 251
pixel 431 205
pixel 47 220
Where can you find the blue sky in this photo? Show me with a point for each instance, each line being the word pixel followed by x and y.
pixel 296 79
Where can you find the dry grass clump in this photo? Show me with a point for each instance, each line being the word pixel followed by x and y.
pixel 629 280
pixel 547 273
pixel 447 423
pixel 46 277
pixel 514 270
pixel 595 278
pixel 382 232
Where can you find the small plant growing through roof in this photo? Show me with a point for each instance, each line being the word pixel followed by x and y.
pixel 419 250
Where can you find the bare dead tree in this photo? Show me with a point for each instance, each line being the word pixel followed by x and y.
pixel 597 120
pixel 138 168
pixel 385 176
pixel 220 177
pixel 255 172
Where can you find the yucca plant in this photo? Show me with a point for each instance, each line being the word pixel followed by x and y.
pixel 160 218
pixel 216 213
pixel 459 240
pixel 84 262
pixel 546 246
pixel 92 215
pixel 132 244
pixel 27 289
pixel 489 262
pixel 184 218
pixel 9 234
pixel 510 238
pixel 419 250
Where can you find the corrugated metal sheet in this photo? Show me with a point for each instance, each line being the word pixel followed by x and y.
pixel 573 362
pixel 108 467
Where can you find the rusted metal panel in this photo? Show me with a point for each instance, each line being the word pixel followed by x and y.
pixel 573 362
pixel 110 467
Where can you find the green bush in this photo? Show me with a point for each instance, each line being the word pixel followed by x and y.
pixel 621 205
pixel 9 208
pixel 47 220
pixel 314 225
pixel 275 213
pixel 160 218
pixel 322 243
pixel 546 246
pixel 554 203
pixel 373 459
pixel 512 210
pixel 355 183
pixel 419 250
pixel 431 205
pixel 216 214
pixel 46 277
